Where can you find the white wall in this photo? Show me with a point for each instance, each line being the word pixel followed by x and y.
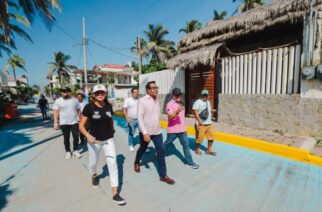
pixel 312 56
pixel 311 88
pixel 166 80
pixel 122 92
pixel 3 78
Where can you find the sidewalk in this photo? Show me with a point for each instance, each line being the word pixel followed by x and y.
pixel 35 176
pixel 301 142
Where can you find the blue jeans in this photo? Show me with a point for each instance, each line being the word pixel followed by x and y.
pixel 158 143
pixel 132 128
pixel 183 138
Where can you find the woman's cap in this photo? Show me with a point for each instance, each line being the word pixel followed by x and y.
pixel 99 88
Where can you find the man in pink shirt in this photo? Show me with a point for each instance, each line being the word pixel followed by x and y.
pixel 176 126
pixel 149 124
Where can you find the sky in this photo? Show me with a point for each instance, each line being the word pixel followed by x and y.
pixel 114 24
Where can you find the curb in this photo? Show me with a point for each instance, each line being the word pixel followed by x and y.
pixel 258 145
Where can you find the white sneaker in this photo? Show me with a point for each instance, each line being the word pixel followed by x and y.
pixel 77 154
pixel 68 155
pixel 131 148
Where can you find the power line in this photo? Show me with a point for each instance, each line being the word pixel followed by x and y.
pixel 120 48
pixel 79 56
pixel 112 50
pixel 91 55
pixel 66 33
pixel 183 11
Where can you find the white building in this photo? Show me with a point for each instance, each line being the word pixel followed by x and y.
pixel 6 79
pixel 122 77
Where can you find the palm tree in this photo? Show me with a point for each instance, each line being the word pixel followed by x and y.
pixel 111 85
pixel 248 5
pixel 47 90
pixel 219 15
pixel 158 47
pixel 9 15
pixel 61 67
pixel 143 48
pixel 7 33
pixel 14 62
pixel 191 26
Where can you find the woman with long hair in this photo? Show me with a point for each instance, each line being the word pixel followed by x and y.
pixel 98 127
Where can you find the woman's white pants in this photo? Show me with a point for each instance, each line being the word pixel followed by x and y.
pixel 110 156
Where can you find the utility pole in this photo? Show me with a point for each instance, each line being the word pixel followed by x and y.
pixel 84 56
pixel 139 52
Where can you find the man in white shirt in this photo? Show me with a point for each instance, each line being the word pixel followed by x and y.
pixel 82 102
pixel 202 111
pixel 130 111
pixel 149 124
pixel 67 109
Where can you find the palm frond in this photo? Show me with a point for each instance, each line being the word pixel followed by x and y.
pixel 19 18
pixel 21 33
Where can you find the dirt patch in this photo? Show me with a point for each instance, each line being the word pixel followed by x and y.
pixel 317 149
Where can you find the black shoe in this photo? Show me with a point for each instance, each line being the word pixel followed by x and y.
pixel 95 181
pixel 118 199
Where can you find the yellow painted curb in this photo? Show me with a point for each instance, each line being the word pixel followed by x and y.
pixel 263 146
pixel 118 113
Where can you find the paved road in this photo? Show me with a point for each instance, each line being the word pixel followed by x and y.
pixel 34 176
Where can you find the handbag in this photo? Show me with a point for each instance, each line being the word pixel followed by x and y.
pixel 204 113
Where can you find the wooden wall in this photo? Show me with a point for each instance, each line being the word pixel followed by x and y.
pixel 197 79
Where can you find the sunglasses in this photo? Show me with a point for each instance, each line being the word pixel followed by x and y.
pixel 154 88
pixel 97 93
pixel 204 95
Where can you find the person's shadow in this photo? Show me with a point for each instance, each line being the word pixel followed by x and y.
pixel 148 157
pixel 172 150
pixel 192 144
pixel 136 140
pixel 83 147
pixel 120 161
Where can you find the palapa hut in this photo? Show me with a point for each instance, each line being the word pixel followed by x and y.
pixel 252 65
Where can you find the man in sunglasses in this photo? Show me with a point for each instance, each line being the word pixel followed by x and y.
pixel 67 110
pixel 202 111
pixel 149 124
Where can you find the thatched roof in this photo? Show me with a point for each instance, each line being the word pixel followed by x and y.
pixel 204 56
pixel 258 19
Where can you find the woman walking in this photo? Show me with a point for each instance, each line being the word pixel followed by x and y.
pixel 99 131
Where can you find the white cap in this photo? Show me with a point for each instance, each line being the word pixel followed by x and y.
pixel 99 88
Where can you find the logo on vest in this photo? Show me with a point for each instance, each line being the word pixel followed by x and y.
pixel 109 114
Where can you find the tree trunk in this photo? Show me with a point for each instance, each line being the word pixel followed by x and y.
pixel 60 79
pixel 14 75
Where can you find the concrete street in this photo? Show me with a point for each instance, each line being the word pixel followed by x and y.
pixel 35 176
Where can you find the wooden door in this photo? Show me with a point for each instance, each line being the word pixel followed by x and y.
pixel 197 79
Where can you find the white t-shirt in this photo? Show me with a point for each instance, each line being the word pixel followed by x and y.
pixel 67 110
pixel 200 105
pixel 83 104
pixel 131 105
